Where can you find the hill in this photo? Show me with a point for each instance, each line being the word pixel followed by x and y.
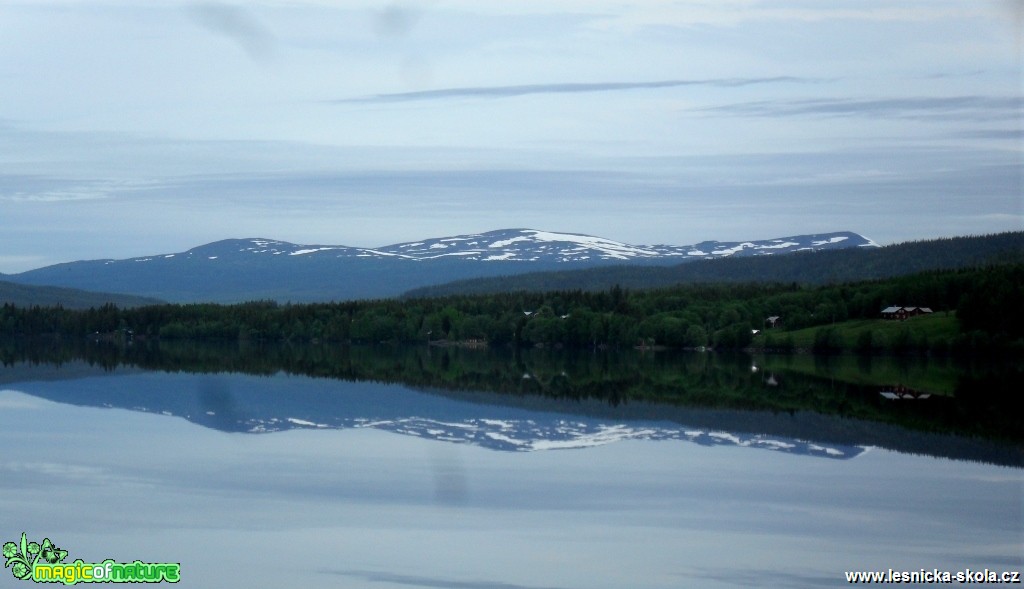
pixel 70 298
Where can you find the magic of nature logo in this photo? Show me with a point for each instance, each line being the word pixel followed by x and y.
pixel 44 563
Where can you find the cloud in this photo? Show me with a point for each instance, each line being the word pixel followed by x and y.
pixel 236 24
pixel 59 473
pixel 565 88
pixel 960 107
pixel 996 134
pixel 731 13
pixel 953 75
pixel 42 189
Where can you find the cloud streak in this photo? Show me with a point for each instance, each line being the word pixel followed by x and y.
pixel 565 88
pixel 995 134
pixel 43 189
pixel 962 107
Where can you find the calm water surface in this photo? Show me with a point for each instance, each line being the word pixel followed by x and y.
pixel 286 480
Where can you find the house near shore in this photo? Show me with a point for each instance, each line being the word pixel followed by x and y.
pixel 903 313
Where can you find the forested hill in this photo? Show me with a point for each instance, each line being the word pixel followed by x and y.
pixel 978 311
pixel 824 267
pixel 24 295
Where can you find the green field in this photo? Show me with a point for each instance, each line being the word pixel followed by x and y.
pixel 918 332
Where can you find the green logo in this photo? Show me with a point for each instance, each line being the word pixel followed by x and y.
pixel 43 563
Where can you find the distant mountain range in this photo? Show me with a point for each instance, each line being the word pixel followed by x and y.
pixel 236 270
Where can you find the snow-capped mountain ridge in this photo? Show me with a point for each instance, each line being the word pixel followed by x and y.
pixel 259 268
pixel 523 245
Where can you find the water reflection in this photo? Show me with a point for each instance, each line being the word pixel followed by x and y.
pixel 259 405
pixel 546 399
pixel 389 469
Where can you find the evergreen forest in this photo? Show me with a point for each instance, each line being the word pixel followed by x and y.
pixel 978 310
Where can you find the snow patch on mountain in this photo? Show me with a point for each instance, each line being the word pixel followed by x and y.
pixel 732 250
pixel 310 251
pixel 505 242
pixel 836 239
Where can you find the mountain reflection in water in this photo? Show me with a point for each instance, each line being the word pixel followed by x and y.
pixel 544 399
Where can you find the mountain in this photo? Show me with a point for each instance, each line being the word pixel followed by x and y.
pixel 530 245
pixel 51 296
pixel 236 270
pixel 805 267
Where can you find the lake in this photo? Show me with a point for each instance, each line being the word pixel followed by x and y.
pixel 420 467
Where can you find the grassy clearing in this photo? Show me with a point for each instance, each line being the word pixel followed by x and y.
pixel 885 334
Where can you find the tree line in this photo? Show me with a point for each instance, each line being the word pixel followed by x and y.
pixel 985 302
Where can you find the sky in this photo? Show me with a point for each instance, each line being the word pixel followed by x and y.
pixel 131 128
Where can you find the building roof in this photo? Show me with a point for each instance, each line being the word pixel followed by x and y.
pixel 895 309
